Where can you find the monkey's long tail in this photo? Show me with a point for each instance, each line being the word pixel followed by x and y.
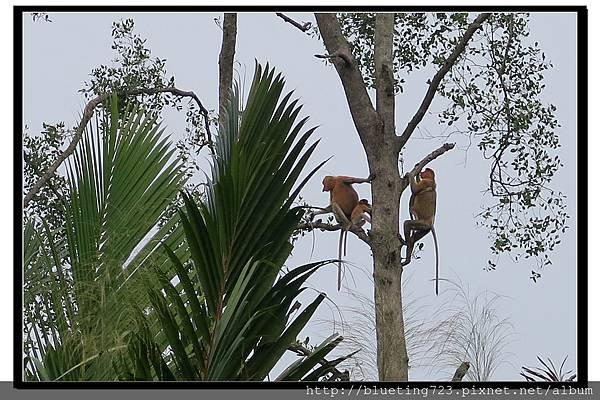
pixel 339 280
pixel 345 240
pixel 437 262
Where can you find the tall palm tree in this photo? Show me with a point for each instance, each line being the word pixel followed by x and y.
pixel 212 302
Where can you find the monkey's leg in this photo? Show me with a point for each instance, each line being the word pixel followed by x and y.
pixel 420 228
pixel 340 216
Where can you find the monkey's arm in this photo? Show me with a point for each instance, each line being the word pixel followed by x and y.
pixel 414 188
pixel 350 179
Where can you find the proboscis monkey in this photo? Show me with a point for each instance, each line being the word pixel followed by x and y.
pixel 342 201
pixel 360 215
pixel 421 207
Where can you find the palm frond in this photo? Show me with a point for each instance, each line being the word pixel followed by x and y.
pixel 121 179
pixel 548 373
pixel 230 319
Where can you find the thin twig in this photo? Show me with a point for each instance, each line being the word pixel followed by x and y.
pixel 88 111
pixel 335 54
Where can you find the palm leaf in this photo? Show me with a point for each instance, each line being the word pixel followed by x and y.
pixel 231 307
pixel 121 179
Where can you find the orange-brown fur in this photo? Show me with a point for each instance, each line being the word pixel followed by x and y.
pixel 422 208
pixel 423 198
pixel 341 193
pixel 343 199
pixel 361 213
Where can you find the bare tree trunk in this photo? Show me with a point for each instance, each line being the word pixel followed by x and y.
pixel 392 357
pixel 376 129
pixel 226 61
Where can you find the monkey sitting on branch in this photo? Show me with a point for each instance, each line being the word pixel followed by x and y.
pixel 422 207
pixel 343 203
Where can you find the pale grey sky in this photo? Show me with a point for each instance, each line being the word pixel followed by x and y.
pixel 59 56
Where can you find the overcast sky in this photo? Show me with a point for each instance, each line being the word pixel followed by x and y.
pixel 58 57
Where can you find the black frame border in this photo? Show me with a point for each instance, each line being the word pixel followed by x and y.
pixel 442 387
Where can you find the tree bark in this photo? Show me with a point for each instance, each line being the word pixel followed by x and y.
pixel 461 371
pixel 226 62
pixel 376 129
pixel 392 357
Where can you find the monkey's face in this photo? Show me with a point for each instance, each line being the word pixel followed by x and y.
pixel 365 204
pixel 428 174
pixel 328 183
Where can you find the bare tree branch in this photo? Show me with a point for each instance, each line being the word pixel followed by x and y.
pixel 430 157
pixel 318 224
pixel 88 112
pixel 437 78
pixel 226 62
pixel 303 27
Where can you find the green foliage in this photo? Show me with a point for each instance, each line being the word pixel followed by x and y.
pixel 493 95
pixel 500 104
pixel 80 277
pixel 40 16
pixel 39 152
pixel 231 317
pixel 104 301
pixel 420 39
pixel 134 68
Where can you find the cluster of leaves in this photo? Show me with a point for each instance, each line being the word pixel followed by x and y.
pixel 495 92
pixel 39 152
pixel 548 373
pixel 40 16
pixel 134 68
pixel 420 39
pixel 242 325
pixel 80 276
pixel 494 95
